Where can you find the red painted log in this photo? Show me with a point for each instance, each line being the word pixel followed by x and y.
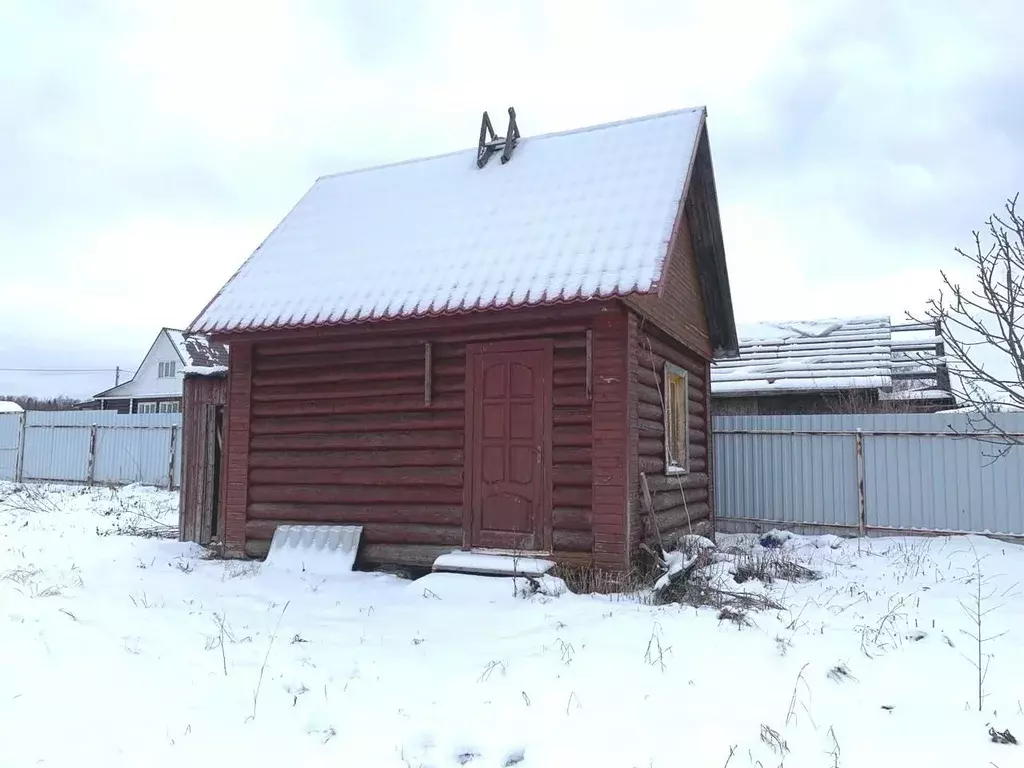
pixel 350 407
pixel 356 494
pixel 334 373
pixel 334 476
pixel 360 441
pixel 358 458
pixel 375 533
pixel 571 496
pixel 571 436
pixel 429 514
pixel 572 454
pixel 354 391
pixel 570 416
pixel 386 422
pixel 571 518
pixel 572 541
pixel 570 475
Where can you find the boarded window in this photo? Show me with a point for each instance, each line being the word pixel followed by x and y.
pixel 677 421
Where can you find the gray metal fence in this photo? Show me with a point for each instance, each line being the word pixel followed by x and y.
pixel 91 447
pixel 867 473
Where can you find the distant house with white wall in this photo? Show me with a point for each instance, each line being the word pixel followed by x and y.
pixel 156 386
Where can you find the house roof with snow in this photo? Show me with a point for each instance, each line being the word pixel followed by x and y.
pixel 9 406
pixel 572 216
pixel 903 361
pixel 197 353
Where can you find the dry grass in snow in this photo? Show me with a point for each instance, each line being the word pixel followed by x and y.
pixel 130 650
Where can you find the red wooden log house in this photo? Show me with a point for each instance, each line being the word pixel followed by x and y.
pixel 500 349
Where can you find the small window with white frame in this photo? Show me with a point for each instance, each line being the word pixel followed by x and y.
pixel 166 370
pixel 146 408
pixel 677 420
pixel 170 406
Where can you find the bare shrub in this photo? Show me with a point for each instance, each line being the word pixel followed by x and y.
pixel 589 579
pixel 133 517
pixel 770 564
pixel 32 499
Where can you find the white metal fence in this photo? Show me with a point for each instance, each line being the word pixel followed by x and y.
pixel 852 473
pixel 91 447
pixel 867 473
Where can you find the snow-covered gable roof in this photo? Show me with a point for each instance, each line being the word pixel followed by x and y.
pixel 197 351
pixel 198 354
pixel 577 215
pixel 835 354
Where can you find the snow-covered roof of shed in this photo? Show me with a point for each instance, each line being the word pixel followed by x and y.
pixel 198 351
pixel 9 406
pixel 833 354
pixel 576 215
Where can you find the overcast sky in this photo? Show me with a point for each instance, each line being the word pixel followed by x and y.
pixel 147 148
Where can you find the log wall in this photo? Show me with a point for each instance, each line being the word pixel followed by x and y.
pixel 336 428
pixel 199 394
pixel 680 502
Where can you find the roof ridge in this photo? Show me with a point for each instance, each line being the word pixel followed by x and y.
pixel 549 135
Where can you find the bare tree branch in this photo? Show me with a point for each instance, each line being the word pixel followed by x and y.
pixel 987 319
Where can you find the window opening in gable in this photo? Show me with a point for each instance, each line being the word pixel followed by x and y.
pixel 166 370
pixel 677 419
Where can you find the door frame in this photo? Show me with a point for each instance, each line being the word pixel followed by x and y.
pixel 545 524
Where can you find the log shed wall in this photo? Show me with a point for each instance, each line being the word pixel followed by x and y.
pixel 200 394
pixel 334 426
pixel 680 503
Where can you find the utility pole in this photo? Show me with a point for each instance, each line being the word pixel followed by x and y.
pixel 117 375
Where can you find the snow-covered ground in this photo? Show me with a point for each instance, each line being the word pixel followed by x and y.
pixel 119 650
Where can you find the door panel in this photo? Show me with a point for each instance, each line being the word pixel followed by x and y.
pixel 508 445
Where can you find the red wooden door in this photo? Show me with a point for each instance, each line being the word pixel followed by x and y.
pixel 508 409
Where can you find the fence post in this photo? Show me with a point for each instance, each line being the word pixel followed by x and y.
pixel 862 513
pixel 19 459
pixel 90 468
pixel 170 458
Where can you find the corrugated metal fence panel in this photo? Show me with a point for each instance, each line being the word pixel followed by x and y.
pixel 56 452
pixel 136 454
pixel 128 448
pixel 943 483
pixel 921 472
pixel 781 477
pixel 10 436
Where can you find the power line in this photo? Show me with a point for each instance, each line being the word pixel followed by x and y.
pixel 63 370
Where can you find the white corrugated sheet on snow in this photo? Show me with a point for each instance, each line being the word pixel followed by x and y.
pixel 582 214
pixel 830 355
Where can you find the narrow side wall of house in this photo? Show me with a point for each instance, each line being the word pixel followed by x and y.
pixel 680 503
pixel 614 473
pixel 333 427
pixel 199 393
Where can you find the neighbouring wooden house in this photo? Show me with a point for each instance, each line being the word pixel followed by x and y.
pixel 484 350
pixel 204 393
pixel 156 386
pixel 835 365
